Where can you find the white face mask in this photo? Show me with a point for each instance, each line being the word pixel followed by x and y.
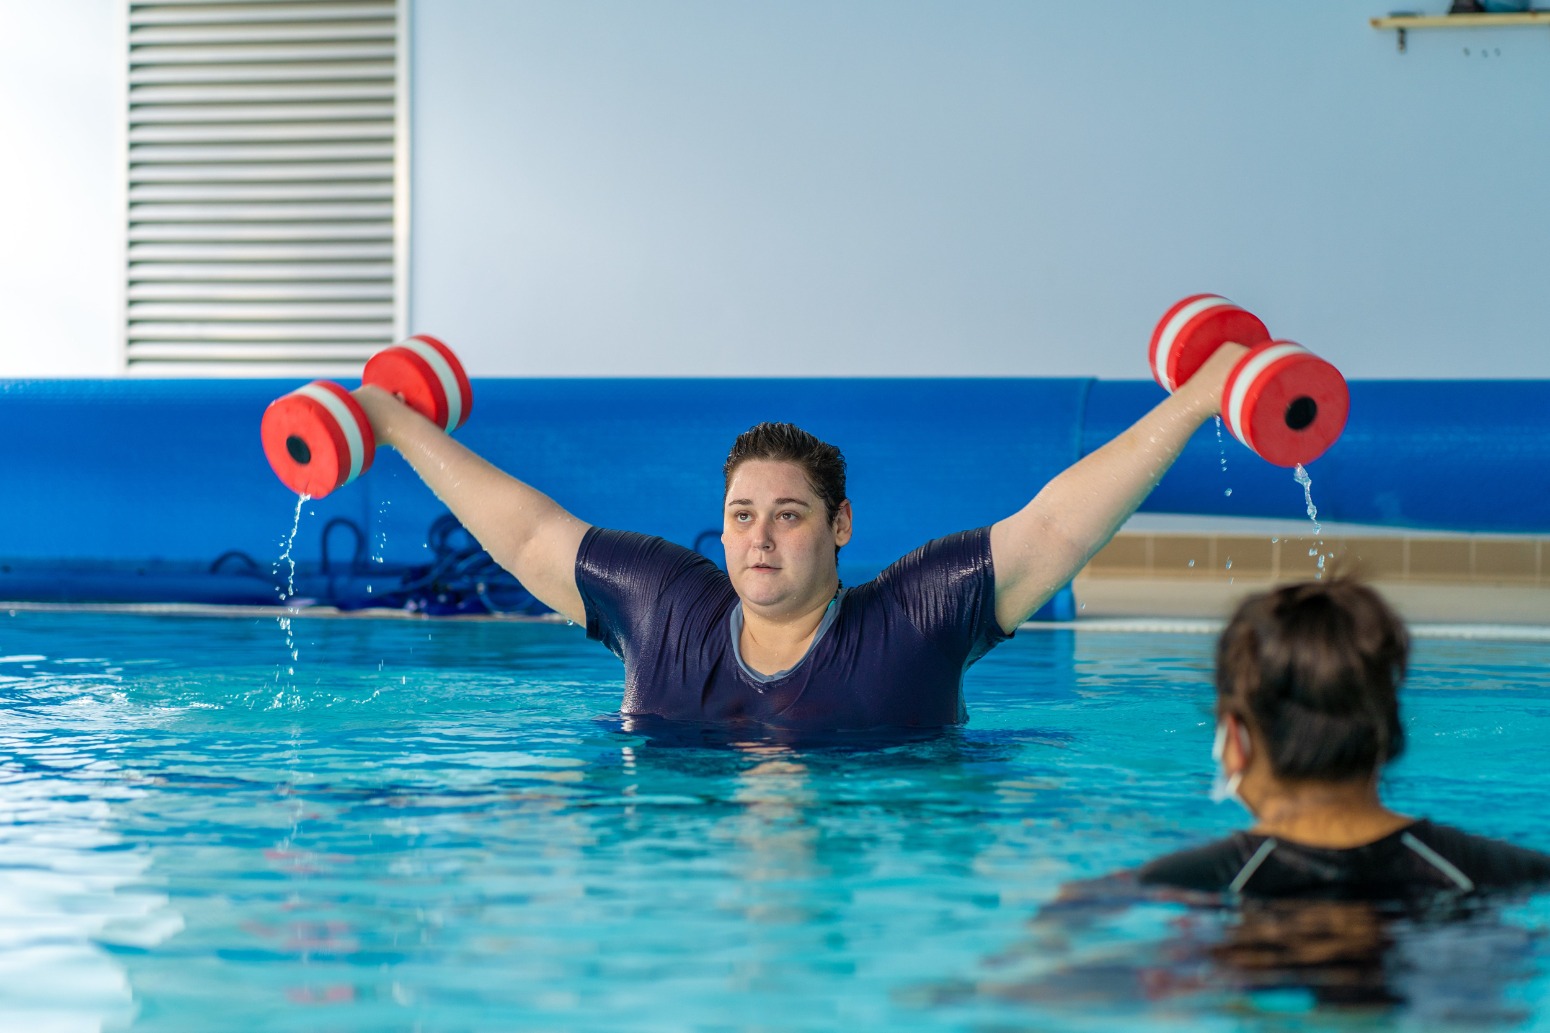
pixel 1224 787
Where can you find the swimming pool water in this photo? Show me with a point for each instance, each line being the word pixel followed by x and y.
pixel 420 825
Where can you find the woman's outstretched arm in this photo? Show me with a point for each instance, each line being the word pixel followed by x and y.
pixel 1042 546
pixel 524 530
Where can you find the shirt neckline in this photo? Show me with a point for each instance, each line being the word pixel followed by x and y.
pixel 1418 824
pixel 735 629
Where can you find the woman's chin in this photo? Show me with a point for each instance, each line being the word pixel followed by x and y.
pixel 762 590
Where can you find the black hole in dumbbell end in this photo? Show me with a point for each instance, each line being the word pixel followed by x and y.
pixel 1301 412
pixel 298 450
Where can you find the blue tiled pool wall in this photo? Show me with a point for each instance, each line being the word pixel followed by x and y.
pixel 134 489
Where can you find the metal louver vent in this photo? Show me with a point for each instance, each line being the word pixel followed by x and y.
pixel 266 193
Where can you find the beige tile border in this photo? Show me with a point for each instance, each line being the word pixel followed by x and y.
pixel 1506 560
pixel 1416 602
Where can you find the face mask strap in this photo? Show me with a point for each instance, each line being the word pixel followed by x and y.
pixel 1225 787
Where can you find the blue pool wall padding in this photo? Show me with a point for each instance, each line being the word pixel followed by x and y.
pixel 1453 456
pixel 155 480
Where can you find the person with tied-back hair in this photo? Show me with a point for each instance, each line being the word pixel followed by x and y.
pixel 775 639
pixel 1307 710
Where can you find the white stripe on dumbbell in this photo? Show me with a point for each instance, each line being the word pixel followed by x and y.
pixel 439 366
pixel 1246 376
pixel 1170 332
pixel 346 420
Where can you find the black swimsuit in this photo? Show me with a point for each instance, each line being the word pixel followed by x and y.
pixel 1419 859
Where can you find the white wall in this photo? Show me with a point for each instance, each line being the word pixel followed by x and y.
pixel 887 187
pixel 61 72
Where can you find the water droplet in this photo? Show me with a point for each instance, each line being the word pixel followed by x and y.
pixel 1191 563
pixel 1307 494
pixel 1228 492
pixel 289 592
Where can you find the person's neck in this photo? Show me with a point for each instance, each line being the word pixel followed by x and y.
pixel 776 639
pixel 1335 815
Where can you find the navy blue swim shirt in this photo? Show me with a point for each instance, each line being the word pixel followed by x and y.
pixel 892 652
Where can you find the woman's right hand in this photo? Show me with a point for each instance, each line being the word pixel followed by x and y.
pixel 390 418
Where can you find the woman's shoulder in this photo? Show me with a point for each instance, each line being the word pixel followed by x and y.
pixel 1420 857
pixel 1482 861
pixel 962 550
pixel 623 573
pixel 1209 868
pixel 609 548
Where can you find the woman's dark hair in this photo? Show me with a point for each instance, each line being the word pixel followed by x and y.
pixel 1316 667
pixel 821 463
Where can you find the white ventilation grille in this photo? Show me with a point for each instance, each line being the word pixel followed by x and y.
pixel 266 193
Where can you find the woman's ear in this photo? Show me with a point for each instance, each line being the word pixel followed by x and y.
pixel 842 516
pixel 1235 745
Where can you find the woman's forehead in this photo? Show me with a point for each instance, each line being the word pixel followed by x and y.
pixel 765 479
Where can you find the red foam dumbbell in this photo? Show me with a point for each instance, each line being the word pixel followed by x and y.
pixel 317 438
pixel 1285 403
pixel 1280 400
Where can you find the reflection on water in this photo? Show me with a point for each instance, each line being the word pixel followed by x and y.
pixel 1108 943
pixel 72 888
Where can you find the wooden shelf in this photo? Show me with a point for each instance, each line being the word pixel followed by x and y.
pixel 1403 23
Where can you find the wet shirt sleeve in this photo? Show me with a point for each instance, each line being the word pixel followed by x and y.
pixel 629 584
pixel 947 589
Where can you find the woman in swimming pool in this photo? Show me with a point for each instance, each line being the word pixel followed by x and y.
pixel 1307 708
pixel 775 640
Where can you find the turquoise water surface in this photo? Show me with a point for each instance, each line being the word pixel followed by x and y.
pixel 370 824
